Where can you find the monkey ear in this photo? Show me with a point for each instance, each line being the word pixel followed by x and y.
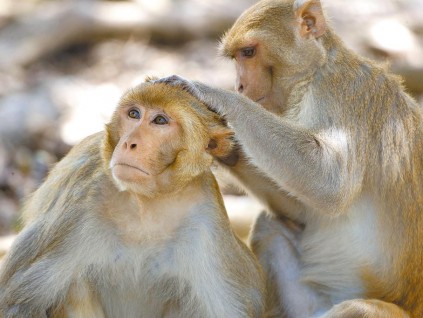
pixel 221 142
pixel 309 14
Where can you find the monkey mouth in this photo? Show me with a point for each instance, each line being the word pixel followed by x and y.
pixel 131 166
pixel 260 99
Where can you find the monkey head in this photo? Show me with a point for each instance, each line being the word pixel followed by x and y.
pixel 160 138
pixel 275 44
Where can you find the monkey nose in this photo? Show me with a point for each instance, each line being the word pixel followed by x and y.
pixel 240 88
pixel 130 146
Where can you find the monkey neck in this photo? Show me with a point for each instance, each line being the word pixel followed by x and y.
pixel 154 219
pixel 181 196
pixel 339 58
pixel 318 67
pixel 337 73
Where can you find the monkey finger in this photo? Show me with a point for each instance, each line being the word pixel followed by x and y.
pixel 169 79
pixel 175 80
pixel 196 89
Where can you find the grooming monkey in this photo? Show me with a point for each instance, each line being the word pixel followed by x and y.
pixel 131 223
pixel 334 147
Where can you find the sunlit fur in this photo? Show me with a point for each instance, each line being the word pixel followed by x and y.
pixel 197 121
pixel 89 249
pixel 341 166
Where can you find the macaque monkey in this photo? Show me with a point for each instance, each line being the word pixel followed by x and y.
pixel 334 147
pixel 131 223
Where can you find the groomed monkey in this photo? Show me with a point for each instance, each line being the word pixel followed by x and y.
pixel 334 148
pixel 131 223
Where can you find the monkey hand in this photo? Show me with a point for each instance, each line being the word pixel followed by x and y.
pixel 176 80
pixel 211 97
pixel 232 158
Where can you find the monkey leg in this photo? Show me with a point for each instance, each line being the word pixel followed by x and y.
pixel 82 302
pixel 274 244
pixel 372 308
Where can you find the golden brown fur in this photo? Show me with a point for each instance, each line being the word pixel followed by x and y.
pixel 340 167
pixel 131 223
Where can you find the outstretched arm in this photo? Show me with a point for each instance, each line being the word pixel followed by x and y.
pixel 312 167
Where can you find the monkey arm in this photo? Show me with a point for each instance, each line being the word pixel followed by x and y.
pixel 23 252
pixel 38 269
pixel 309 166
pixel 306 165
pixel 41 269
pixel 264 189
pixel 32 279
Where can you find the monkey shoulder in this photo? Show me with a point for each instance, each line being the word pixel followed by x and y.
pixel 208 229
pixel 74 179
pixel 58 212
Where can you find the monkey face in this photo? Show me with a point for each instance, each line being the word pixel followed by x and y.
pixel 254 75
pixel 273 45
pixel 148 146
pixel 160 138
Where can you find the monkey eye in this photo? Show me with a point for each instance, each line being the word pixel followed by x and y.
pixel 248 52
pixel 160 120
pixel 134 113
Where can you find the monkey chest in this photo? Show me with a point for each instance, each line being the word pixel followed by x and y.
pixel 141 282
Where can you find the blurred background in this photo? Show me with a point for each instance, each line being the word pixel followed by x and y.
pixel 65 63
